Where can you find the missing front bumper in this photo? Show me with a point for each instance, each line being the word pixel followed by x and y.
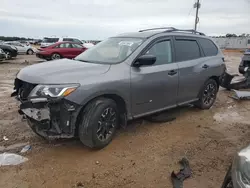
pixel 51 118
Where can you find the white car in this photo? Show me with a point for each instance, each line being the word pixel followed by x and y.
pixel 47 41
pixel 22 48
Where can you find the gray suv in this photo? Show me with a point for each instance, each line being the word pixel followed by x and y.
pixel 122 78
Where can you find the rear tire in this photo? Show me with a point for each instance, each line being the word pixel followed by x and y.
pixel 99 123
pixel 207 95
pixel 30 52
pixel 55 56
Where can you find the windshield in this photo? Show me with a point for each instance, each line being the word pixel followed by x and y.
pixel 112 50
pixel 50 40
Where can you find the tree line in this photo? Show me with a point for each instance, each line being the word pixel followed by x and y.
pixel 3 38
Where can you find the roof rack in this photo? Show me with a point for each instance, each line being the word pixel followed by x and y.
pixel 172 29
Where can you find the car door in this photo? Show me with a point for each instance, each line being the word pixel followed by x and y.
pixel 77 49
pixel 192 73
pixel 154 88
pixel 65 50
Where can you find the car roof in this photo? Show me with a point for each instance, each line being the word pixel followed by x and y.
pixel 166 31
pixel 63 42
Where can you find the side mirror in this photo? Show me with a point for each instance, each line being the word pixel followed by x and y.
pixel 145 60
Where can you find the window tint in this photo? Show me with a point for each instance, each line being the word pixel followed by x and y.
pixel 162 51
pixel 77 46
pixel 50 40
pixel 248 42
pixel 208 47
pixel 68 39
pixel 65 45
pixel 186 50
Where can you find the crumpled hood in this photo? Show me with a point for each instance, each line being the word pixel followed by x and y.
pixel 61 71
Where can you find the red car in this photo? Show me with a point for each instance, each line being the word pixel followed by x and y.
pixel 61 50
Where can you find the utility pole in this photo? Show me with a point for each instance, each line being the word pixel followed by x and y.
pixel 197 5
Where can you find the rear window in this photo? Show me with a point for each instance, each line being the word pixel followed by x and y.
pixel 68 39
pixel 50 40
pixel 186 50
pixel 208 47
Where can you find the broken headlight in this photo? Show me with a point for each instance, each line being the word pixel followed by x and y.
pixel 242 166
pixel 53 90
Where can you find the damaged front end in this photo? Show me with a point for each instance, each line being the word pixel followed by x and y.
pixel 48 112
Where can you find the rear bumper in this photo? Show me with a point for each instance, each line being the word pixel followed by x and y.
pixel 13 53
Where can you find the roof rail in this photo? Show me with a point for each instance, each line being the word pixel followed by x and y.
pixel 172 29
pixel 186 30
pixel 157 28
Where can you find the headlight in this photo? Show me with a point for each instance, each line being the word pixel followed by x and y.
pixel 242 166
pixel 53 90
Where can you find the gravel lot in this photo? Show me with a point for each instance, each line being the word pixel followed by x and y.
pixel 142 155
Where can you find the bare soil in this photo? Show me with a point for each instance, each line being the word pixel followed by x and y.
pixel 142 155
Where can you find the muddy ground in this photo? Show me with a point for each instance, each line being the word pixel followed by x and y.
pixel 142 155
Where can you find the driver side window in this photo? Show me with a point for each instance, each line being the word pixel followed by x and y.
pixel 162 51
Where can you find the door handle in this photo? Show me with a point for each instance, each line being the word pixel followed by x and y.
pixel 205 66
pixel 172 72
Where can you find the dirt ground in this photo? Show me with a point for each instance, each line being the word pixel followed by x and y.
pixel 142 155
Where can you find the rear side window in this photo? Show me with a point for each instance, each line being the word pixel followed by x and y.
pixel 186 50
pixel 65 45
pixel 208 47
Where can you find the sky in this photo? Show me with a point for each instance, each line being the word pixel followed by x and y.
pixel 100 19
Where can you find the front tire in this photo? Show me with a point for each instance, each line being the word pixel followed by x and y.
pixel 228 183
pixel 207 95
pixel 99 123
pixel 8 54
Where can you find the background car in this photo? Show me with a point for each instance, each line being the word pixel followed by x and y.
pixel 22 48
pixel 2 55
pixel 61 50
pixel 51 40
pixel 9 50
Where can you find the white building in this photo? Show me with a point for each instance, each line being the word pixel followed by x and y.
pixel 233 42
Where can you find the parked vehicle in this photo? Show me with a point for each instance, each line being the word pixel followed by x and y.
pixel 2 55
pixel 47 41
pixel 122 78
pixel 60 50
pixel 238 175
pixel 22 48
pixel 9 50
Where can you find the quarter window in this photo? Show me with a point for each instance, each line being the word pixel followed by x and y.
pixel 162 52
pixel 208 47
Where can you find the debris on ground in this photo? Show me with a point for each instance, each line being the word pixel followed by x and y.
pixel 11 159
pixel 241 95
pixel 97 162
pixel 26 148
pixel 5 138
pixel 184 173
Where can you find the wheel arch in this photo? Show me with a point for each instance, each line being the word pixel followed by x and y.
pixel 119 100
pixel 217 79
